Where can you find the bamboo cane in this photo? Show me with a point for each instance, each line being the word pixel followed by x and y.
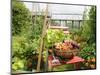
pixel 42 39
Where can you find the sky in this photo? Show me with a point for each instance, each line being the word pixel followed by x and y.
pixel 60 8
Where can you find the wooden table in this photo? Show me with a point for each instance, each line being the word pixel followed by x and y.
pixel 75 61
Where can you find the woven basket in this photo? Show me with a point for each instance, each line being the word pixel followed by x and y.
pixel 66 54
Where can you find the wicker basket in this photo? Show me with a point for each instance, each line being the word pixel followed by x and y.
pixel 66 54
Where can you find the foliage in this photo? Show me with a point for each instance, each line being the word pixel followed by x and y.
pixel 76 35
pixel 18 46
pixel 21 18
pixel 54 36
pixel 22 48
pixel 89 27
pixel 36 28
pixel 25 35
pixel 87 32
pixel 86 37
pixel 88 52
pixel 18 64
pixel 63 68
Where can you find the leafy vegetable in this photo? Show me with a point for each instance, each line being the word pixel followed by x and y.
pixel 54 36
pixel 88 52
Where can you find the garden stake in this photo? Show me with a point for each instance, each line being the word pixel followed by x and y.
pixel 41 40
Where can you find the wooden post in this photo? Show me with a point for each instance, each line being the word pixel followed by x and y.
pixel 42 39
pixel 79 24
pixel 72 23
pixel 46 64
pixel 66 23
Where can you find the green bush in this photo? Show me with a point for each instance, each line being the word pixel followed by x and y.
pixel 18 64
pixel 22 48
pixel 21 18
